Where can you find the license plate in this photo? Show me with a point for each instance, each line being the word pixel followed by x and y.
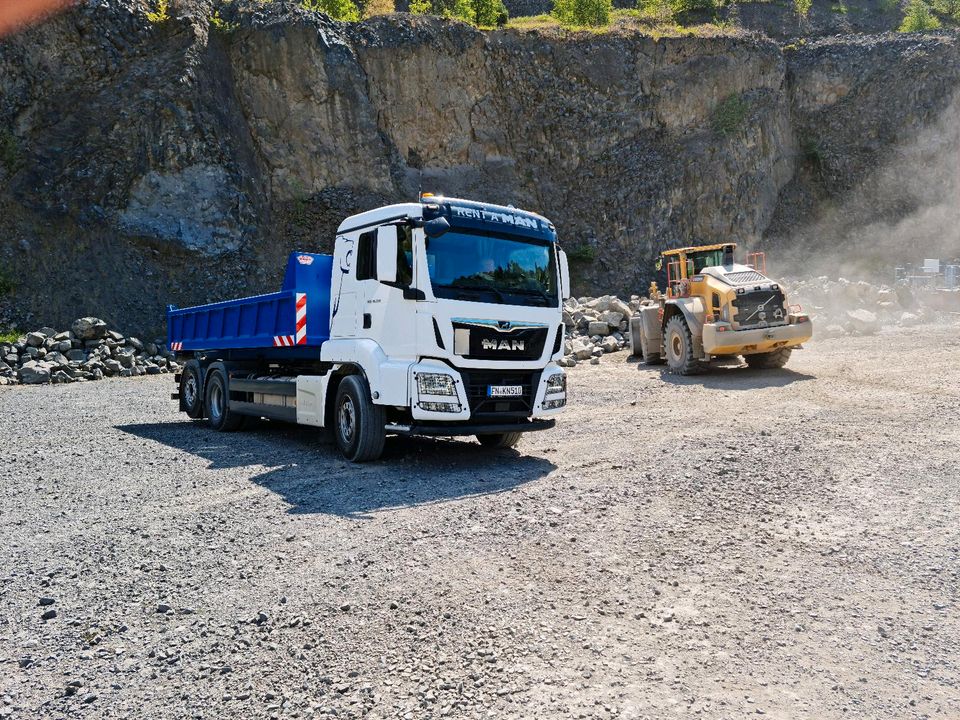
pixel 504 390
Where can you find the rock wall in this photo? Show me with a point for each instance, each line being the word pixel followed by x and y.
pixel 179 162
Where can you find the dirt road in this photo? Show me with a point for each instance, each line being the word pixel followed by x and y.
pixel 778 543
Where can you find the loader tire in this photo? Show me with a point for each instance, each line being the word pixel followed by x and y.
pixel 191 390
pixel 358 424
pixel 219 415
pixel 678 346
pixel 500 440
pixel 769 360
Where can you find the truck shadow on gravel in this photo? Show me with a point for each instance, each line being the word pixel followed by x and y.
pixel 307 471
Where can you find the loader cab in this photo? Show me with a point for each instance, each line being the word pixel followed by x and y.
pixel 684 265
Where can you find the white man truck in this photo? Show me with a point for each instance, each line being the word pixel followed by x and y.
pixel 440 317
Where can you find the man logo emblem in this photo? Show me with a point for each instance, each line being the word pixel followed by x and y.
pixel 512 345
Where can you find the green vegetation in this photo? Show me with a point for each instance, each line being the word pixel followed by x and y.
pixel 802 7
pixel 584 13
pixel 919 18
pixel 947 8
pixel 345 10
pixel 6 284
pixel 670 11
pixel 729 114
pixel 839 8
pixel 9 337
pixel 812 154
pixel 221 25
pixel 378 7
pixel 582 254
pixel 9 152
pixel 889 6
pixel 162 13
pixel 485 13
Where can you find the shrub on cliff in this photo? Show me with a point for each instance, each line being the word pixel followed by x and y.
pixel 378 7
pixel 344 10
pixel 486 13
pixel 589 13
pixel 918 18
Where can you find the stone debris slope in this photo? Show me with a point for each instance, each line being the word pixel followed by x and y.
pixel 89 350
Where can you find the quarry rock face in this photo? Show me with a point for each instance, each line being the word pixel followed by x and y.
pixel 183 161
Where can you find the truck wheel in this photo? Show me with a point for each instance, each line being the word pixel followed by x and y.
pixel 768 360
pixel 219 415
pixel 678 343
pixel 358 423
pixel 191 398
pixel 500 440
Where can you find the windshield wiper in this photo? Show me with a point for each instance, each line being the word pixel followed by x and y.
pixel 479 288
pixel 533 291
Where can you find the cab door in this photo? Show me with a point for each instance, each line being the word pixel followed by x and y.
pixel 384 314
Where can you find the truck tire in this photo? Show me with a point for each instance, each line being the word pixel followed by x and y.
pixel 678 346
pixel 769 360
pixel 500 440
pixel 191 390
pixel 219 415
pixel 358 424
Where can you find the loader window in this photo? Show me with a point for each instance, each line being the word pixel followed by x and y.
pixel 708 258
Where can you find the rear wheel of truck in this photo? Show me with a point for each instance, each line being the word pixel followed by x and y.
pixel 500 440
pixel 678 344
pixel 358 424
pixel 190 394
pixel 219 415
pixel 770 360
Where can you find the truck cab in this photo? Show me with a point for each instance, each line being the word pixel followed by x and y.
pixel 445 318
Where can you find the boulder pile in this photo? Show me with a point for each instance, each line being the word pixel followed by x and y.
pixel 89 350
pixel 843 307
pixel 596 326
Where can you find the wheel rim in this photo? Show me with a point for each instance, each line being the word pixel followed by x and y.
pixel 216 401
pixel 676 345
pixel 190 391
pixel 347 419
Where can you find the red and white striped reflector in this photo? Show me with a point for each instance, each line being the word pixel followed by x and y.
pixel 301 318
pixel 176 346
pixel 283 341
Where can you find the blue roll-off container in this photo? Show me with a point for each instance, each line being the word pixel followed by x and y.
pixel 255 323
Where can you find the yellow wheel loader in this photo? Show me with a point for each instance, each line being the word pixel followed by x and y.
pixel 716 308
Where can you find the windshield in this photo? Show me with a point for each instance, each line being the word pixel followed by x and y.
pixel 492 268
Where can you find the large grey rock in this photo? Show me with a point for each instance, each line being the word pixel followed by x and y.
pixel 34 373
pixel 598 328
pixel 77 356
pixel 863 321
pixel 36 339
pixel 89 328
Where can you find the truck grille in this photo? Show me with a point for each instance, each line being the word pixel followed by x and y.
pixel 476 383
pixel 488 343
pixel 758 307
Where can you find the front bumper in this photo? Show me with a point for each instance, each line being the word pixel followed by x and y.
pixel 757 340
pixel 471 403
pixel 453 429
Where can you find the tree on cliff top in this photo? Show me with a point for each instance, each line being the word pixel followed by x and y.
pixel 344 10
pixel 589 13
pixel 918 18
pixel 485 13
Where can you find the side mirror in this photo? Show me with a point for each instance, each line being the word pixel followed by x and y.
pixel 436 227
pixel 564 275
pixel 387 254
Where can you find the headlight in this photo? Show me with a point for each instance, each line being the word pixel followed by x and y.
pixel 557 383
pixel 435 384
pixel 440 407
pixel 554 404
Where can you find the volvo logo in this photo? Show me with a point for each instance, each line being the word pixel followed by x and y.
pixel 512 345
pixel 504 324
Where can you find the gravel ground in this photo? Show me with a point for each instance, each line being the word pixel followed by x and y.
pixel 779 543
